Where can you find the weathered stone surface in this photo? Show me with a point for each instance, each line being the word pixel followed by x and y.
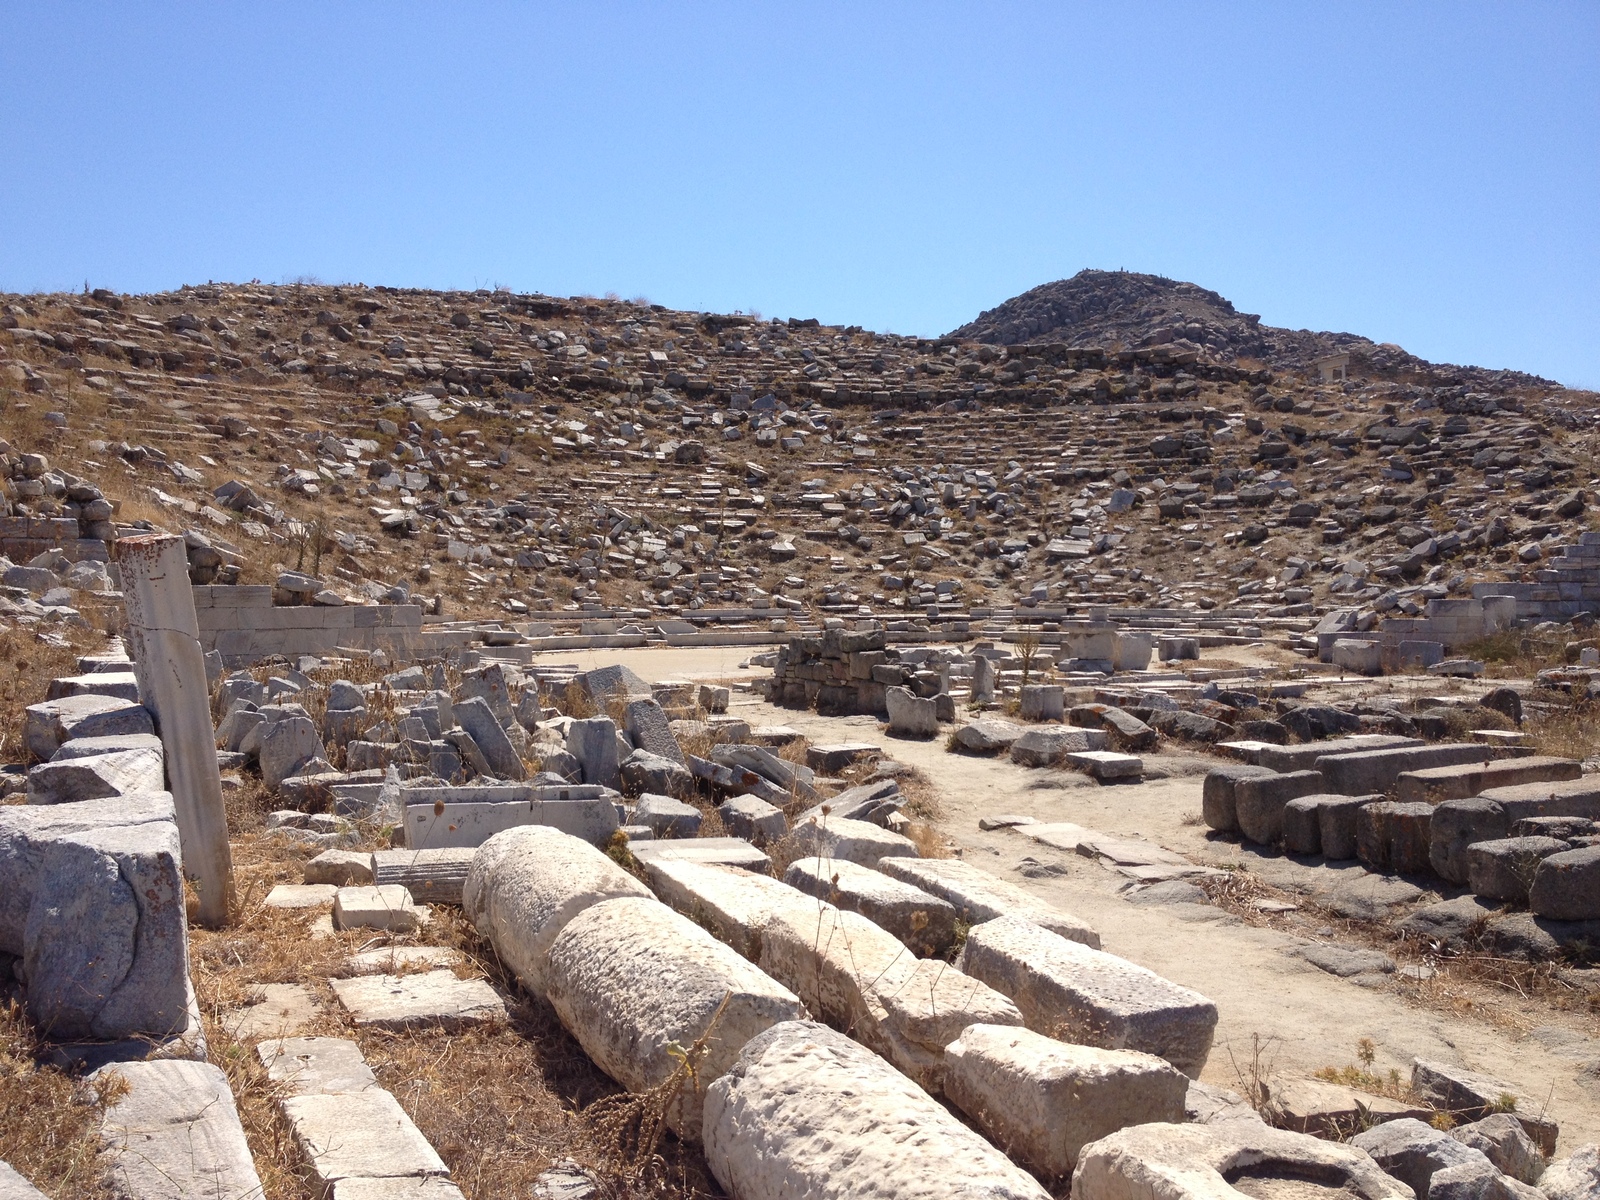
pixel 593 743
pixel 987 735
pixel 1366 771
pixel 733 905
pixel 1458 824
pixel 423 1000
pixel 526 884
pixel 630 978
pixel 370 906
pixel 14 1187
pixel 1471 1096
pixel 1069 990
pixel 478 719
pixel 1041 702
pixel 1412 1151
pixel 1198 1162
pixel 1503 869
pixel 727 851
pixel 397 960
pixel 1338 819
pixel 645 772
pixel 52 722
pixel 358 1135
pixel 342 868
pixel 753 819
pixel 279 1009
pixel 666 817
pixel 1051 744
pixel 909 715
pixel 175 1133
pixel 465 820
pixel 1106 764
pixel 426 1187
pixel 1391 836
pixel 646 723
pixel 1330 1110
pixel 308 1066
pixel 979 896
pixel 853 841
pixel 925 923
pixel 1346 961
pixel 93 905
pixel 1502 1140
pixel 1436 784
pixel 1217 798
pixel 807 1112
pixel 1478 1180
pixel 431 876
pixel 287 746
pixel 1576 1177
pixel 1045 1100
pixel 300 895
pixel 93 777
pixel 1259 800
pixel 1566 886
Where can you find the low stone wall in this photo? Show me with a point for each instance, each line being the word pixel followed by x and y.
pixel 24 538
pixel 243 625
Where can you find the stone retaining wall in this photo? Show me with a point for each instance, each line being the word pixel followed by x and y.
pixel 243 624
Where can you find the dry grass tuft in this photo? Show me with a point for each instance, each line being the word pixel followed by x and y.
pixel 29 660
pixel 49 1123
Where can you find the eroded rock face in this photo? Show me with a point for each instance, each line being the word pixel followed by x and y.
pixel 805 1111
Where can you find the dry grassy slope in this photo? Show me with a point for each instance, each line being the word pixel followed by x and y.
pixel 553 442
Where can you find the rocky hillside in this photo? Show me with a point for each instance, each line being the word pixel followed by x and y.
pixel 1125 309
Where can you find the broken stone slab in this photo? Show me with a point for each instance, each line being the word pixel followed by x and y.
pixel 734 906
pixel 1502 1140
pixel 525 884
pixel 1218 794
pixel 1045 1100
pixel 979 896
pixel 1203 1162
pixel 604 683
pixel 1435 784
pixel 910 716
pixel 93 777
pixel 1576 1177
pixel 875 802
pixel 1366 771
pixel 300 895
pixel 987 735
pixel 1259 801
pixel 88 747
pixel 308 1066
pixel 805 1111
pixel 478 720
pixel 1329 1110
pixel 288 747
pixel 852 841
pixel 1064 988
pixel 666 817
pixel 646 723
pixel 925 923
pixel 1106 765
pixel 728 851
pixel 358 1135
pixel 175 1132
pixel 431 876
pixel 279 1009
pixel 753 819
pixel 1503 869
pixel 421 1000
pixel 93 906
pixel 1346 962
pixel 1566 885
pixel 342 868
pixel 1284 759
pixel 1471 1096
pixel 470 816
pixel 53 722
pixel 593 742
pixel 386 907
pixel 631 980
pixel 645 772
pixel 397 960
pixel 792 777
pixel 1050 745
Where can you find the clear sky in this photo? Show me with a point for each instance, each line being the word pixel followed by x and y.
pixel 1427 174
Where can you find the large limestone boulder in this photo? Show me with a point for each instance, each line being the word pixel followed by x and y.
pixel 1202 1162
pixel 526 883
pixel 633 981
pixel 807 1112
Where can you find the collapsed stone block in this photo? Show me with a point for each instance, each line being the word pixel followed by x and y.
pixel 805 1111
pixel 925 923
pixel 979 896
pixel 1218 804
pixel 52 722
pixel 909 715
pixel 853 841
pixel 175 1132
pixel 93 777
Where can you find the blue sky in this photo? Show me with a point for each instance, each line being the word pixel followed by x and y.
pixel 1427 174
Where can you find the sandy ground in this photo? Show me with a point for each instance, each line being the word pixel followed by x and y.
pixel 1304 1017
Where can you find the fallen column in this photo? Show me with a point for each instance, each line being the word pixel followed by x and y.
pixel 1067 990
pixel 807 1112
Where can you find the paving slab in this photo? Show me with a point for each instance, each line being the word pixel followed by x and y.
pixel 386 907
pixel 301 895
pixel 979 896
pixel 309 1066
pixel 424 1000
pixel 399 960
pixel 728 851
pixel 280 1010
pixel 175 1133
pixel 359 1135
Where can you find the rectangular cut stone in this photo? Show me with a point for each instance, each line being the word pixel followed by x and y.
pixel 426 1000
pixel 1050 744
pixel 810 1113
pixel 358 1135
pixel 386 907
pixel 431 876
pixel 1367 771
pixel 1284 759
pixel 1568 798
pixel 1259 800
pixel 176 1132
pixel 727 851
pixel 832 759
pixel 309 1066
pixel 853 841
pixel 979 896
pixel 1045 1100
pixel 92 777
pixel 1219 794
pixel 925 923
pixel 1434 784
pixel 472 824
pixel 1067 989
pixel 1106 764
pixel 429 1187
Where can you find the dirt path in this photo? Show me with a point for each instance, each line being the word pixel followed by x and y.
pixel 1306 1018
